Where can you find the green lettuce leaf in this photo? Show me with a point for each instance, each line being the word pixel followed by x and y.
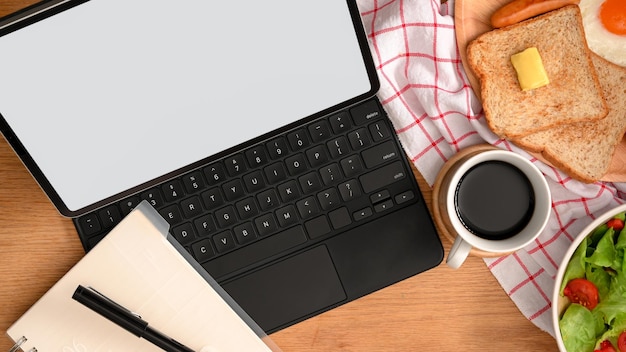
pixel 576 267
pixel 578 329
pixel 605 253
pixel 597 234
pixel 619 325
pixel 621 239
pixel 601 278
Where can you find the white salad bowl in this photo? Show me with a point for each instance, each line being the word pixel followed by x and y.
pixel 559 303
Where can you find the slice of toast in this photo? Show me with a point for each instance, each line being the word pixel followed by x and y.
pixel 584 150
pixel 573 94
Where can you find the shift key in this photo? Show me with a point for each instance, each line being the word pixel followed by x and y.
pixel 382 177
pixel 379 154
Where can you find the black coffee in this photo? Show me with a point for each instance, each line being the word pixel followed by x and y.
pixel 494 200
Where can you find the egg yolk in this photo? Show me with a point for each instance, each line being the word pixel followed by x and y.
pixel 613 16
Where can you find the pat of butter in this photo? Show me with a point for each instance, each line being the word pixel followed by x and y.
pixel 530 71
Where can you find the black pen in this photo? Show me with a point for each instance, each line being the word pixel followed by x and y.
pixel 126 319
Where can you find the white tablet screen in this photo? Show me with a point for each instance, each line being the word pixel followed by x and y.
pixel 113 93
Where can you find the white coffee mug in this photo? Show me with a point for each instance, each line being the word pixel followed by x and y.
pixel 468 234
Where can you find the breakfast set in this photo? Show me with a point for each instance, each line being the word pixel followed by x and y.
pixel 554 96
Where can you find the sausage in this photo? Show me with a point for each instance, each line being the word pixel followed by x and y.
pixel 519 10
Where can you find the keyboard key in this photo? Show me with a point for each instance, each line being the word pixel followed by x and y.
pixel 351 165
pixel 349 190
pixel 330 174
pixel 90 224
pixel 255 252
pixel 212 198
pixel 317 156
pixel 235 165
pixel 247 208
pixel 308 207
pixel 286 216
pixel 215 173
pixel 224 241
pixel 202 250
pixel 226 216
pixel 173 190
pixel 362 214
pixel 386 205
pixel 275 173
pixel 404 197
pixel 380 196
pixel 184 233
pixel 338 147
pixel 128 204
pixel 340 218
pixel 153 197
pixel 379 154
pixel 310 182
pixel 366 112
pixel 245 233
pixel 289 191
pixel 359 139
pixel 382 177
pixel 328 199
pixel 109 216
pixel 254 181
pixel 233 190
pixel 171 214
pixel 193 182
pixel 296 164
pixel 268 199
pixel 298 140
pixel 340 123
pixel 379 131
pixel 205 225
pixel 265 224
pixel 191 207
pixel 256 156
pixel 319 130
pixel 277 148
pixel 317 227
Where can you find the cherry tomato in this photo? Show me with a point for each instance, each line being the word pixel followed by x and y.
pixel 616 224
pixel 583 292
pixel 621 342
pixel 606 346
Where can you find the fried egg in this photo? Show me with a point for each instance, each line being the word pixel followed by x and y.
pixel 605 28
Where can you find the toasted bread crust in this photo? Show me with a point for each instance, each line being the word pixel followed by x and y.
pixel 584 150
pixel 574 93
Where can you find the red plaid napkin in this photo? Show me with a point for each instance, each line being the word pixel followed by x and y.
pixel 426 93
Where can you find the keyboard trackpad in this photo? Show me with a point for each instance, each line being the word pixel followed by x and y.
pixel 288 290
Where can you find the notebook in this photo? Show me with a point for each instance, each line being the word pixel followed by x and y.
pixel 252 127
pixel 140 268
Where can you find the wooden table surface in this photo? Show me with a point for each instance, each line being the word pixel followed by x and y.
pixel 441 309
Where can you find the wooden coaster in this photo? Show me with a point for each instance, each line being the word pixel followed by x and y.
pixel 439 200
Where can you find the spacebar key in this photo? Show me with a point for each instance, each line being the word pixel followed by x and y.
pixel 264 248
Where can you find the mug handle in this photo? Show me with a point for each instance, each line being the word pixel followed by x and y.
pixel 458 253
